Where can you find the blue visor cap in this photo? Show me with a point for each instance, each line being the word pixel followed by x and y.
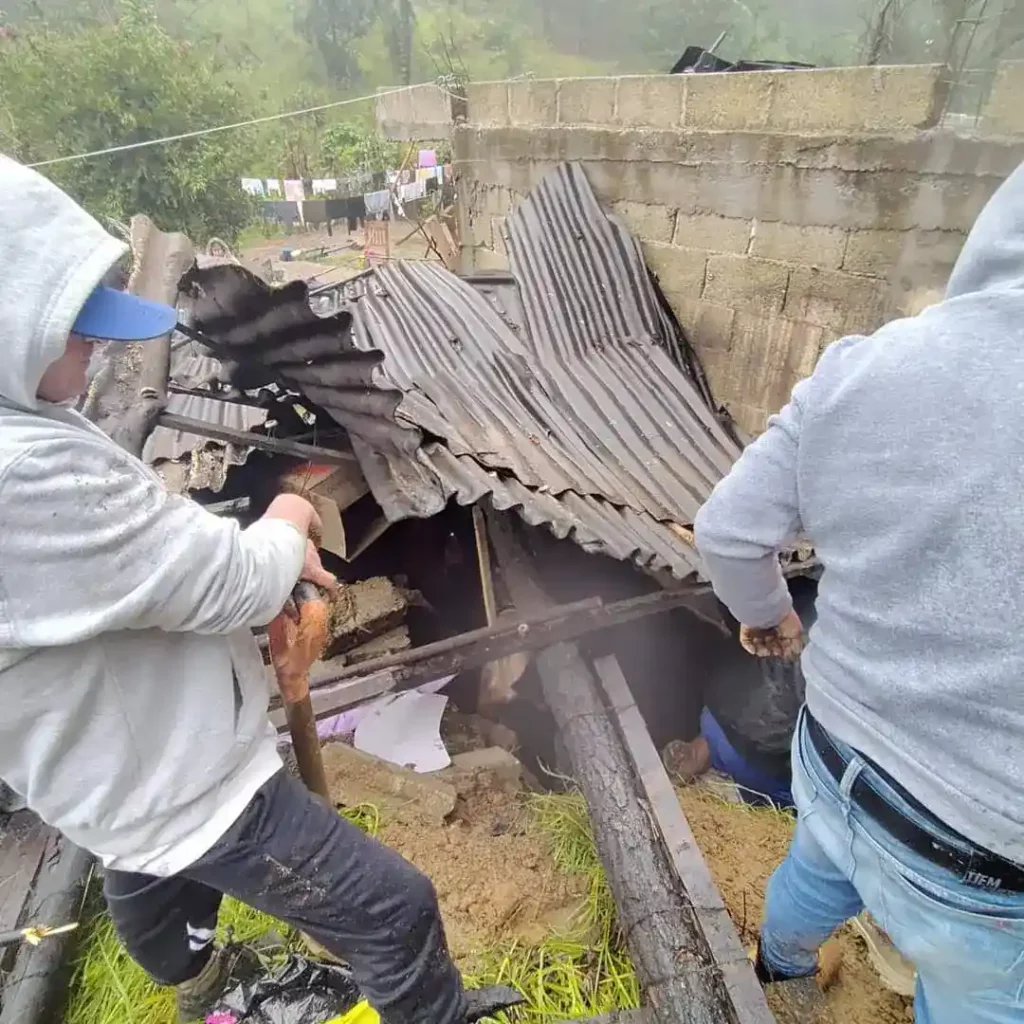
pixel 111 315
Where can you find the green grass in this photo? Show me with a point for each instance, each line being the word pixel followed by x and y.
pixel 579 974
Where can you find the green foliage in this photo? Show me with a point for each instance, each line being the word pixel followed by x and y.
pixel 119 82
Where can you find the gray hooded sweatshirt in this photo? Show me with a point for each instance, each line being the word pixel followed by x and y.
pixel 133 699
pixel 902 457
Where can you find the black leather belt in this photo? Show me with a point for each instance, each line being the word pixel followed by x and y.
pixel 973 865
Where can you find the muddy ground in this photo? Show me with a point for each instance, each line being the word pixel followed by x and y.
pixel 742 847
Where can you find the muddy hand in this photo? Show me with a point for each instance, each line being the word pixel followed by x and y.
pixel 786 640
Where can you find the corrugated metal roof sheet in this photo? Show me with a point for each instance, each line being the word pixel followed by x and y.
pixel 561 402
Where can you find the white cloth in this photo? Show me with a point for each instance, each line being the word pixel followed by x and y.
pixel 324 186
pixel 254 186
pixel 273 186
pixel 412 192
pixel 133 699
pixel 293 190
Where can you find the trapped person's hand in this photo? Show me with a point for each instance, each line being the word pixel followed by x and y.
pixel 786 640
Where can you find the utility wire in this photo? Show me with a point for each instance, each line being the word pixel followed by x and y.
pixel 209 131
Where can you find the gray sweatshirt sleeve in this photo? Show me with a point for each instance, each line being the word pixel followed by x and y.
pixel 750 516
pixel 105 547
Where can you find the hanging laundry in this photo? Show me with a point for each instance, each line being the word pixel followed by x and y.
pixel 355 212
pixel 425 174
pixel 412 192
pixel 273 187
pixel 281 211
pixel 254 186
pixel 428 158
pixel 324 186
pixel 377 203
pixel 293 190
pixel 406 175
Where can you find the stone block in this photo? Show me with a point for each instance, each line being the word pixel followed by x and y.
pixel 533 102
pixel 845 303
pixel 1004 111
pixel 586 100
pixel 809 245
pixel 746 283
pixel 650 222
pixel 875 253
pixel 709 231
pixel 488 103
pixel 728 101
pixel 680 272
pixel 654 100
pixel 767 356
pixel 867 99
pixel 709 326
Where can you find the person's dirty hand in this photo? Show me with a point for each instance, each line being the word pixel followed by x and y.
pixel 314 571
pixel 786 640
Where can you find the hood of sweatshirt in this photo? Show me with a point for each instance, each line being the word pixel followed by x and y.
pixel 992 258
pixel 53 255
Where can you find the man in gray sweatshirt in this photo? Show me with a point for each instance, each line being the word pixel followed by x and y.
pixel 902 459
pixel 133 699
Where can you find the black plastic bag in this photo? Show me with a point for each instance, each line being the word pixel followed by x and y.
pixel 301 991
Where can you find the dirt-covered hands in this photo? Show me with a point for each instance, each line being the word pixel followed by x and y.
pixel 786 640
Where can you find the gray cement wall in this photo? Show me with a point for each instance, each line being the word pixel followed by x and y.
pixel 780 210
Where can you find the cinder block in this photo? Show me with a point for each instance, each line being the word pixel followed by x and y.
pixel 1004 111
pixel 680 272
pixel 809 245
pixel 875 253
pixel 843 302
pixel 649 222
pixel 533 102
pixel 586 100
pixel 654 100
pixel 488 103
pixel 745 283
pixel 709 326
pixel 767 356
pixel 867 99
pixel 708 231
pixel 728 101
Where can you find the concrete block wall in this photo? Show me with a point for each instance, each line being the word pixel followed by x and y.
pixel 779 210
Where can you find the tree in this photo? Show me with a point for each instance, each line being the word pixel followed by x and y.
pixel 334 27
pixel 118 82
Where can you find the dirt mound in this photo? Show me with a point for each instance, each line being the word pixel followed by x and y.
pixel 742 847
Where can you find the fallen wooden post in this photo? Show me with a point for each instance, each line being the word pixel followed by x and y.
pixel 679 975
pixel 690 867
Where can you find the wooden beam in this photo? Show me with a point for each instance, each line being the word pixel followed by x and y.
pixel 690 867
pixel 277 445
pixel 679 976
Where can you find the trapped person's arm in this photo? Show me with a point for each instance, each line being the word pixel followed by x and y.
pixel 104 547
pixel 747 520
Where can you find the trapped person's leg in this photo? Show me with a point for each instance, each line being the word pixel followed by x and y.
pixel 166 924
pixel 291 855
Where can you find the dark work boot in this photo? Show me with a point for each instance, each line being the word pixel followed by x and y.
pixel 485 1002
pixel 226 967
pixel 803 997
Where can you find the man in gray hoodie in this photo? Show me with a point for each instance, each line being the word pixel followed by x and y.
pixel 133 698
pixel 902 459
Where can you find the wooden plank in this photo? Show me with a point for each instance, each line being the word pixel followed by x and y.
pixel 249 439
pixel 22 846
pixel 329 700
pixel 691 868
pixel 680 979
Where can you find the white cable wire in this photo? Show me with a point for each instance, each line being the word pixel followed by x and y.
pixel 210 131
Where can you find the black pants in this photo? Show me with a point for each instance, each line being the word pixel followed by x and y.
pixel 293 856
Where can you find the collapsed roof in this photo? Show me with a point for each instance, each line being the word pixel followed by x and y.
pixel 564 390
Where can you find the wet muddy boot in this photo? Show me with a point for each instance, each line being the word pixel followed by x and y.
pixel 485 1002
pixel 226 967
pixel 895 972
pixel 803 998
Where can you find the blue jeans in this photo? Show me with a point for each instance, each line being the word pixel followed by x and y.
pixel 966 943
